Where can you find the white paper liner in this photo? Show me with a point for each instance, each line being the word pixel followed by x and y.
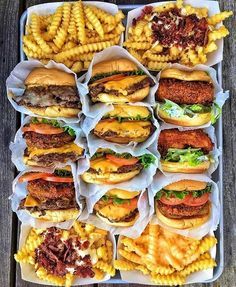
pixel 215 153
pixel 161 181
pixel 139 182
pixel 28 271
pixel 15 84
pixel 115 52
pixel 19 145
pixel 132 231
pixel 95 142
pixel 138 277
pixel 20 192
pixel 213 8
pixel 219 95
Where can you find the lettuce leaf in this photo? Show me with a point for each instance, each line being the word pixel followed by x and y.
pixel 124 119
pixel 63 173
pixel 104 75
pixel 215 113
pixel 147 160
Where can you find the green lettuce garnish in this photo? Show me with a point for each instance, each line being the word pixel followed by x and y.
pixel 62 173
pixel 147 160
pixel 104 75
pixel 215 113
pixel 124 119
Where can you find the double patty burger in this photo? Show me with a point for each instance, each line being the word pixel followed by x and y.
pixel 125 124
pixel 50 93
pixel 51 197
pixel 108 167
pixel 184 151
pixel 184 204
pixel 185 97
pixel 49 143
pixel 118 81
pixel 118 207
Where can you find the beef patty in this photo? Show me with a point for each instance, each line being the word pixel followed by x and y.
pixel 123 169
pixel 52 158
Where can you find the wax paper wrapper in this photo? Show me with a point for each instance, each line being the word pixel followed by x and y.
pixel 139 182
pixel 95 142
pixel 19 145
pixel 137 277
pixel 213 8
pixel 161 181
pixel 20 192
pixel 16 87
pixel 112 53
pixel 28 271
pixel 214 154
pixel 219 95
pixel 133 231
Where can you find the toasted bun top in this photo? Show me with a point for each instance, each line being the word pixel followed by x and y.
pixel 126 111
pixel 186 184
pixel 46 77
pixel 118 65
pixel 123 194
pixel 185 75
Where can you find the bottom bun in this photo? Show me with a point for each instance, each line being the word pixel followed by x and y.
pixel 108 178
pixel 55 111
pixel 118 224
pixel 197 120
pixel 185 223
pixel 56 215
pixel 184 167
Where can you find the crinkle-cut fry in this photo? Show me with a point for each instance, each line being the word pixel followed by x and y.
pixel 156 48
pixel 119 29
pixel 158 269
pixel 164 7
pixel 77 67
pixel 68 63
pixel 89 228
pixel 54 47
pixel 33 240
pixel 29 43
pixel 60 37
pixel 174 51
pixel 184 59
pixel 109 247
pixel 200 12
pixel 154 231
pixel 137 45
pixel 147 30
pixel 89 26
pixel 79 17
pixel 98 274
pixel 56 280
pixel 79 229
pixel 86 64
pixel 72 30
pixel 92 18
pixel 109 28
pixel 69 279
pixel 217 18
pixel 66 14
pixel 142 38
pixel 218 33
pixel 197 266
pixel 55 23
pixel 132 246
pixel 142 269
pixel 139 27
pixel 131 256
pixel 170 280
pixel 193 57
pixel 179 3
pixel 102 15
pixel 68 45
pixel 210 47
pixel 105 267
pixel 143 239
pixel 107 37
pixel 136 55
pixel 159 58
pixel 22 255
pixel 119 16
pixel 102 253
pixel 205 255
pixel 124 265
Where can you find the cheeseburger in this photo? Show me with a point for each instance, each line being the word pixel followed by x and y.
pixel 108 167
pixel 51 197
pixel 50 93
pixel 118 207
pixel 185 97
pixel 184 204
pixel 185 151
pixel 49 143
pixel 125 124
pixel 118 81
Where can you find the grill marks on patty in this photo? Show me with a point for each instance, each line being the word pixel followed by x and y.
pixel 45 96
pixel 185 92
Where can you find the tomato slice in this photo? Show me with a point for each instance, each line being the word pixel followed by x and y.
pixel 116 77
pixel 32 176
pixel 122 161
pixel 171 200
pixel 54 178
pixel 130 204
pixel 196 201
pixel 44 129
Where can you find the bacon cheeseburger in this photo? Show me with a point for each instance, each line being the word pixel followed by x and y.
pixel 50 93
pixel 118 207
pixel 186 97
pixel 185 151
pixel 48 143
pixel 184 204
pixel 125 124
pixel 108 167
pixel 118 81
pixel 51 197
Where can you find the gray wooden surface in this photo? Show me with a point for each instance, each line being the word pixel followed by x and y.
pixel 10 11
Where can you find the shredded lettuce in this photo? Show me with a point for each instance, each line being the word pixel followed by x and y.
pixel 104 75
pixel 147 160
pixel 116 200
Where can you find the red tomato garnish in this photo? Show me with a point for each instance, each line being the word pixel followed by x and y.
pixel 111 78
pixel 32 176
pixel 54 178
pixel 130 204
pixel 196 201
pixel 122 161
pixel 171 200
pixel 44 129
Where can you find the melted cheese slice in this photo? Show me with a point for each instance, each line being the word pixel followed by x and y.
pixel 71 147
pixel 114 212
pixel 31 202
pixel 104 165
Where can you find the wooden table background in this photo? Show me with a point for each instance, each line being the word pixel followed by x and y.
pixel 10 12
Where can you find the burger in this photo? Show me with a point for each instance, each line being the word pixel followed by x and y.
pixel 185 151
pixel 118 81
pixel 50 93
pixel 108 167
pixel 125 124
pixel 185 97
pixel 51 197
pixel 118 207
pixel 184 204
pixel 49 143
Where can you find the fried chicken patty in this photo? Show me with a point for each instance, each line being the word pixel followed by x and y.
pixel 42 189
pixel 185 92
pixel 173 138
